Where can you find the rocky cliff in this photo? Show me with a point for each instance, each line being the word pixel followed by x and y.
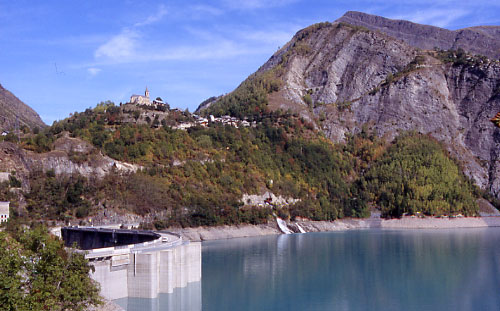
pixel 11 108
pixel 70 156
pixel 483 40
pixel 344 77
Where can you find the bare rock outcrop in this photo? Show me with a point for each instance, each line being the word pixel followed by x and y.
pixel 266 198
pixel 483 40
pixel 70 156
pixel 13 110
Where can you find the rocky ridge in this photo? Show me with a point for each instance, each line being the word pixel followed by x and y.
pixel 483 40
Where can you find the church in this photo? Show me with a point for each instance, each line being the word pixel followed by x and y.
pixel 140 99
pixel 4 211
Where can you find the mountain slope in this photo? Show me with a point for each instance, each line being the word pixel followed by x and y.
pixel 11 108
pixel 347 77
pixel 219 173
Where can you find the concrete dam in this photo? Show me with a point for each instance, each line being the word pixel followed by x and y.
pixel 137 264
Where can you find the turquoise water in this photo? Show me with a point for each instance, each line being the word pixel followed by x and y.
pixel 353 270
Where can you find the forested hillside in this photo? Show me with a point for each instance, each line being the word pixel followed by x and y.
pixel 199 176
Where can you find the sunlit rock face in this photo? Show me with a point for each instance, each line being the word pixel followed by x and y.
pixel 14 113
pixel 368 71
pixel 483 40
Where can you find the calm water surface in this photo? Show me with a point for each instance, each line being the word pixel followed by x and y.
pixel 353 270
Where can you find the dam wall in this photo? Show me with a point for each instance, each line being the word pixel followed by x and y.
pixel 92 238
pixel 158 264
pixel 162 271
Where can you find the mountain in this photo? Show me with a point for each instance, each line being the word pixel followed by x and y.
pixel 365 71
pixel 11 108
pixel 341 120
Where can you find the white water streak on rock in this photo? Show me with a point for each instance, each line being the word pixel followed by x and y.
pixel 283 227
pixel 300 228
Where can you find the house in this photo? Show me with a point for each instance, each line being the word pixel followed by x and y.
pixel 184 126
pixel 159 102
pixel 200 120
pixel 203 122
pixel 4 176
pixel 5 133
pixel 141 100
pixel 4 211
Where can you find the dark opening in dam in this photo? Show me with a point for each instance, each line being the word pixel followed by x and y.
pixel 90 238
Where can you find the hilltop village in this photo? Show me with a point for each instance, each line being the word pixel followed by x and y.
pixel 158 113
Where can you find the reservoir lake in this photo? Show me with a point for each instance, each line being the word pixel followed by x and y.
pixel 350 270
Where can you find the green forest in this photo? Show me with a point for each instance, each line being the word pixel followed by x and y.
pixel 415 175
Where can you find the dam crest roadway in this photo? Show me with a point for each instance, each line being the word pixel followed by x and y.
pixel 134 263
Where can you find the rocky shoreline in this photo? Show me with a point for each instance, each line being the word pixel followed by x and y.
pixel 271 228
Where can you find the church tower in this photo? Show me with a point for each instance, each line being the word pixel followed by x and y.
pixel 147 92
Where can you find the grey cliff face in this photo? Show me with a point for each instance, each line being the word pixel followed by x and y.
pixel 453 104
pixel 63 160
pixel 11 107
pixel 357 77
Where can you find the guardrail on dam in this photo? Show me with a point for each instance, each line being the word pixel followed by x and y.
pixel 139 264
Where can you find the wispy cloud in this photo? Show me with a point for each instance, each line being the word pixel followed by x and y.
pixel 162 11
pixel 134 53
pixel 120 47
pixel 247 35
pixel 124 46
pixel 257 4
pixel 219 50
pixel 434 16
pixel 269 37
pixel 206 9
pixel 93 71
pixel 131 45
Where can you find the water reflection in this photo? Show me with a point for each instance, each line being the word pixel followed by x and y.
pixel 182 299
pixel 356 270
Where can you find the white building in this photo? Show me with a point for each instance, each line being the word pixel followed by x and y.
pixel 4 176
pixel 141 100
pixel 4 211
pixel 184 126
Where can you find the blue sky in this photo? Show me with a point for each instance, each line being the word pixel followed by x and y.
pixel 65 56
